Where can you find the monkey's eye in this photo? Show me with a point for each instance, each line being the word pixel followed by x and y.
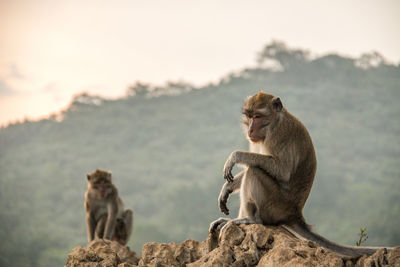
pixel 256 116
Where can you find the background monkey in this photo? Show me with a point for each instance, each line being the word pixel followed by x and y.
pixel 106 215
pixel 279 172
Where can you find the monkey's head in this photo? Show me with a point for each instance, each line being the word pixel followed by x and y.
pixel 260 111
pixel 100 181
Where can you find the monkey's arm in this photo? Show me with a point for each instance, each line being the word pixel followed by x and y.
pixel 227 189
pixel 270 164
pixel 90 225
pixel 112 209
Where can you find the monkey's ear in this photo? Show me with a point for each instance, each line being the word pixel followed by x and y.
pixel 88 177
pixel 277 104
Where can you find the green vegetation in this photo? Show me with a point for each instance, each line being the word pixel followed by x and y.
pixel 166 147
pixel 363 236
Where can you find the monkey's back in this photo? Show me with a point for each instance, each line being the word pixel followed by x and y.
pixel 304 171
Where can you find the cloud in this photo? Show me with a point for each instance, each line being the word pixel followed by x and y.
pixel 11 78
pixel 5 90
pixel 15 73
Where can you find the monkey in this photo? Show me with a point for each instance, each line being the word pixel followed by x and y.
pixel 106 216
pixel 278 173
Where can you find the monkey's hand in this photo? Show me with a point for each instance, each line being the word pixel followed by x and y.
pixel 223 199
pixel 230 162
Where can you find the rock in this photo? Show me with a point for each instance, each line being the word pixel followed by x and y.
pixel 102 253
pixel 382 257
pixel 245 245
pixel 155 254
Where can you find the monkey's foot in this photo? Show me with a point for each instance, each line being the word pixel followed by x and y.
pixel 216 225
pixel 246 220
pixel 239 221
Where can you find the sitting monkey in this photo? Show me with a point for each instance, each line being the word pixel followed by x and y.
pixel 279 172
pixel 105 212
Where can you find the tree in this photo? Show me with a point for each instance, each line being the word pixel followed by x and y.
pixel 287 58
pixel 138 89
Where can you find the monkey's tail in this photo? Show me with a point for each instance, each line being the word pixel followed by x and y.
pixel 302 231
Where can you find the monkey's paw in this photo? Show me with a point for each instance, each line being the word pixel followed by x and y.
pixel 223 199
pixel 228 171
pixel 222 206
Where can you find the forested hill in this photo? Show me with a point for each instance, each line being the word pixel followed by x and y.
pixel 166 147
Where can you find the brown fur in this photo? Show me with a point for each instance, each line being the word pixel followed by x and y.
pixel 279 172
pixel 106 215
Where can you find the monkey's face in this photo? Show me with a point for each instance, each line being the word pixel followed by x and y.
pixel 100 181
pixel 259 112
pixel 256 123
pixel 103 187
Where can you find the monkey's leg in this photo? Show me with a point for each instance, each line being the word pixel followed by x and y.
pixel 262 200
pixel 123 227
pixel 120 232
pixel 247 215
pixel 90 225
pixel 101 223
pixel 127 218
pixel 227 189
pixel 112 209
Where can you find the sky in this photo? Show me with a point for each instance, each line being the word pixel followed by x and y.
pixel 51 50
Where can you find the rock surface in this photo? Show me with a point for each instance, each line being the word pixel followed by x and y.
pixel 102 253
pixel 250 245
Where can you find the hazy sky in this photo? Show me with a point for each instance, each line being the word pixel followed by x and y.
pixel 50 50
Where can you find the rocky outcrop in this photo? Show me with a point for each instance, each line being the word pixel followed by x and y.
pixel 250 245
pixel 102 253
